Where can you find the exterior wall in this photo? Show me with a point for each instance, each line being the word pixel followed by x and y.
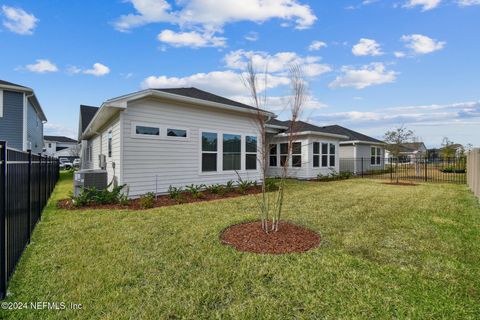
pixel 34 130
pixel 306 171
pixel 52 151
pixel 364 151
pixel 153 164
pixel 11 124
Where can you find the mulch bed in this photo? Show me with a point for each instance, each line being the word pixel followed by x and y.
pixel 411 184
pixel 161 201
pixel 250 237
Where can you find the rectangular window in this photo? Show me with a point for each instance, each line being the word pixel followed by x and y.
pixel 176 133
pixel 251 153
pixel 297 154
pixel 375 156
pixel 209 151
pixel 283 154
pixel 332 155
pixel 232 152
pixel 110 144
pixel 316 154
pixel 324 155
pixel 148 131
pixel 273 155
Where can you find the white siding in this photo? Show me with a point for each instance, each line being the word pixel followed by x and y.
pixel 153 164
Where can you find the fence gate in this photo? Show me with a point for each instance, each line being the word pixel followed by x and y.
pixel 26 182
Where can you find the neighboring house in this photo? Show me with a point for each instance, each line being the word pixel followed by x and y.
pixel 21 117
pixel 60 146
pixel 156 138
pixel 411 151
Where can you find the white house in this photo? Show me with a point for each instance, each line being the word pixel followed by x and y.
pixel 60 146
pixel 156 138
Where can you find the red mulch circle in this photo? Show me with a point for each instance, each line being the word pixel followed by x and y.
pixel 401 184
pixel 250 237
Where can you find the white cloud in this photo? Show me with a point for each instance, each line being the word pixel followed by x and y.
pixel 367 75
pixel 316 45
pixel 191 39
pixel 425 4
pixel 98 70
pixel 19 21
pixel 277 63
pixel 399 54
pixel 420 44
pixel 42 66
pixel 73 70
pixel 367 47
pixel 466 3
pixel 149 11
pixel 251 36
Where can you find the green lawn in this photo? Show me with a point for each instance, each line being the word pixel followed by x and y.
pixel 387 252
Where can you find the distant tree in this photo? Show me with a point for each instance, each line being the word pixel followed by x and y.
pixel 75 151
pixel 394 139
pixel 449 148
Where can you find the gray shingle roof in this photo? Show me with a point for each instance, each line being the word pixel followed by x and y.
pixel 86 115
pixel 204 95
pixel 6 83
pixel 59 139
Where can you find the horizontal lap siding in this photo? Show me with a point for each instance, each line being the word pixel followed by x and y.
pixel 114 126
pixel 300 173
pixel 174 162
pixel 314 172
pixel 364 151
pixel 11 124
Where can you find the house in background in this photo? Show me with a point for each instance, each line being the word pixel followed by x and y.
pixel 411 151
pixel 21 117
pixel 60 146
pixel 157 138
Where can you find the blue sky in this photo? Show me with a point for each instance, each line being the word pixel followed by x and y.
pixel 372 65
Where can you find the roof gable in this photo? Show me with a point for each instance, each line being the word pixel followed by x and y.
pixel 86 115
pixel 59 139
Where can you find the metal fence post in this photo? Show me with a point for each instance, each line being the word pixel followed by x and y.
pixel 3 212
pixel 426 169
pixel 362 167
pixel 391 169
pixel 29 206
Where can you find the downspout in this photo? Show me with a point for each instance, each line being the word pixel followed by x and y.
pixel 25 121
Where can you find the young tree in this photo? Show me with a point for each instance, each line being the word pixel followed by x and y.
pixel 394 139
pixel 448 150
pixel 75 150
pixel 271 203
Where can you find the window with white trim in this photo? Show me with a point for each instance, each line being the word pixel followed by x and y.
pixel 316 154
pixel 109 137
pixel 328 155
pixel 375 156
pixel 283 154
pixel 209 151
pixel 147 131
pixel 180 133
pixel 232 152
pixel 296 154
pixel 250 152
pixel 273 155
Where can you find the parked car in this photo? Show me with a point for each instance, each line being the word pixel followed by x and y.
pixel 76 163
pixel 65 164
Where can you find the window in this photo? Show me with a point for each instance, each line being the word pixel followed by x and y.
pixel 316 154
pixel 297 154
pixel 328 155
pixel 283 154
pixel 209 151
pixel 148 131
pixel 324 155
pixel 332 155
pixel 232 152
pixel 251 153
pixel 49 145
pixel 375 156
pixel 176 133
pixel 109 143
pixel 273 155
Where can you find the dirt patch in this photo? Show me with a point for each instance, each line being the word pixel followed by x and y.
pixel 161 201
pixel 411 184
pixel 250 237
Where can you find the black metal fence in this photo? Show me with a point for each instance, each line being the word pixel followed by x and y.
pixel 26 182
pixel 447 170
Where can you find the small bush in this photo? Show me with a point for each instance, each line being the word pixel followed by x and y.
pixel 244 185
pixel 92 196
pixel 147 201
pixel 174 192
pixel 452 169
pixel 229 186
pixel 215 188
pixel 334 175
pixel 194 190
pixel 271 184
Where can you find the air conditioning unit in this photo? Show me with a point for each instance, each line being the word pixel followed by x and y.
pixel 89 178
pixel 102 161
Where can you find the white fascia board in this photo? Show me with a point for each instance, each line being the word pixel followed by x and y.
pixel 314 133
pixel 362 142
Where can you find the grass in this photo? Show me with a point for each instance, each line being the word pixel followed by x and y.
pixel 387 252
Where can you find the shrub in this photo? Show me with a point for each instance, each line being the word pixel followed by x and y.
pixel 229 186
pixel 174 192
pixel 271 184
pixel 244 185
pixel 334 175
pixel 194 190
pixel 215 188
pixel 92 196
pixel 147 201
pixel 452 169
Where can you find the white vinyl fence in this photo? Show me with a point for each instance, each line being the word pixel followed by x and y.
pixel 473 170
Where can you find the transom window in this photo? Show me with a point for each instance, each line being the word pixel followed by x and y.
pixel 176 133
pixel 232 152
pixel 251 152
pixel 375 156
pixel 297 154
pixel 328 154
pixel 148 131
pixel 273 155
pixel 209 151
